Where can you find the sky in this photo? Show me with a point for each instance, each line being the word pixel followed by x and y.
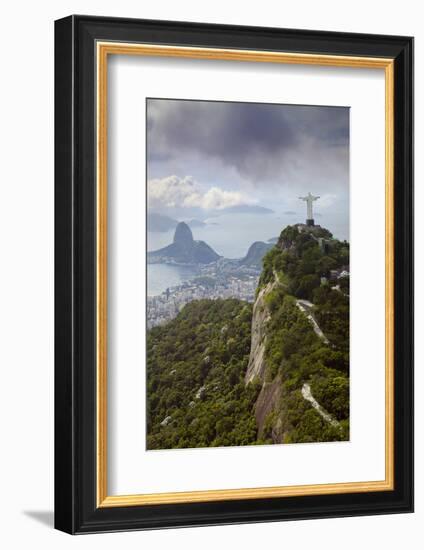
pixel 205 156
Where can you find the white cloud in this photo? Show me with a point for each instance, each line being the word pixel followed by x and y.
pixel 173 191
pixel 327 200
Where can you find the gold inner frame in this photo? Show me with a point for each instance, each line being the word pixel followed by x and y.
pixel 104 49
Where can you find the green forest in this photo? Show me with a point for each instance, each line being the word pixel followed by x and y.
pixel 197 393
pixel 195 376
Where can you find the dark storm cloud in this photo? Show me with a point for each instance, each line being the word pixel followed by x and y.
pixel 258 140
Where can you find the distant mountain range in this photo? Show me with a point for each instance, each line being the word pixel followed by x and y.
pixel 184 249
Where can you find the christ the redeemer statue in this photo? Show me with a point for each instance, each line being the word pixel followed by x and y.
pixel 309 199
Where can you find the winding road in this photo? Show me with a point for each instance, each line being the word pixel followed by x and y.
pixel 306 308
pixel 307 394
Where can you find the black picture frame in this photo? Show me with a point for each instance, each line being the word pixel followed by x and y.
pixel 76 510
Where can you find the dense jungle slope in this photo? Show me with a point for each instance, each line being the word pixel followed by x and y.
pixel 195 378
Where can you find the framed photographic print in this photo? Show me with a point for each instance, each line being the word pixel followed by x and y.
pixel 233 269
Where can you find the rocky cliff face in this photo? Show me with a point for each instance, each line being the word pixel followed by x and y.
pixel 268 403
pixel 269 398
pixel 260 317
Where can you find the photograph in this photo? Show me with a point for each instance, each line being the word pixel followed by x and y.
pixel 214 184
pixel 248 273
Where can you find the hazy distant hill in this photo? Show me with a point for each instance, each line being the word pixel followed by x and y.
pixel 184 249
pixel 196 223
pixel 256 252
pixel 159 223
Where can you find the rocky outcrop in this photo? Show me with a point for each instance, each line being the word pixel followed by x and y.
pixel 260 318
pixel 269 398
pixel 184 249
pixel 267 402
pixel 183 235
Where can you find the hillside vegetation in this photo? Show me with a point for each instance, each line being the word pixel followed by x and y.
pixel 300 267
pixel 195 378
pixel 224 373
